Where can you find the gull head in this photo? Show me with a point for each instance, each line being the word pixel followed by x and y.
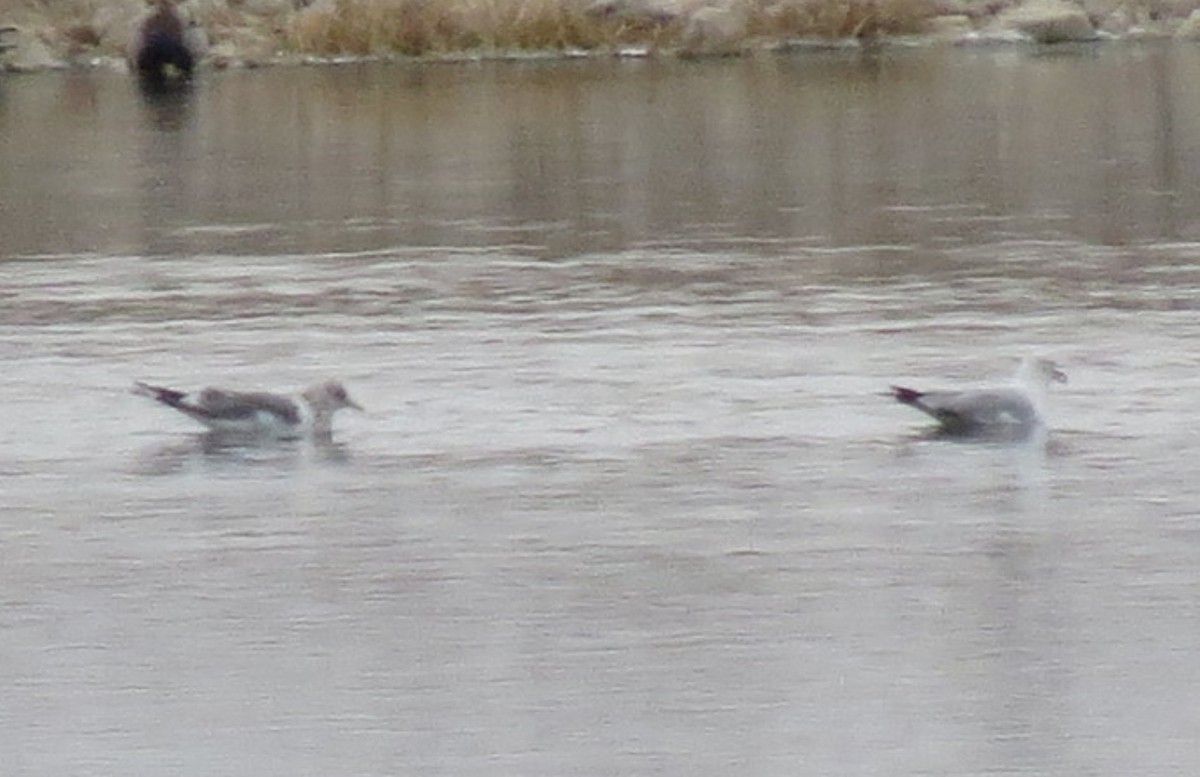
pixel 330 396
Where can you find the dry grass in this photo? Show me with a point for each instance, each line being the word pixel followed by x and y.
pixel 416 27
pixel 372 26
pixel 842 18
pixel 105 26
pixel 51 13
pixel 422 27
pixel 69 26
pixel 530 25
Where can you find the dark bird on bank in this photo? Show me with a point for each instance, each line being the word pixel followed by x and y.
pixel 1005 412
pixel 164 45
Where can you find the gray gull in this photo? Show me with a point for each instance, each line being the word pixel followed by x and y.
pixel 1008 411
pixel 258 413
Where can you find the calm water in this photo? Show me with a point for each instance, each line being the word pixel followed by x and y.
pixel 628 498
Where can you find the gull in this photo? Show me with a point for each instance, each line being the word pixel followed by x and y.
pixel 1011 411
pixel 258 413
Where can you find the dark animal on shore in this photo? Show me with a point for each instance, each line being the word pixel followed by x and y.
pixel 161 47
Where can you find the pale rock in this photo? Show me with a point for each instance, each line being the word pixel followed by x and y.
pixel 196 39
pixel 7 38
pixel 949 27
pixel 715 30
pixel 1049 21
pixel 1176 9
pixel 28 52
pixel 115 22
pixel 650 13
pixel 1190 28
pixel 1100 9
pixel 247 46
pixel 267 7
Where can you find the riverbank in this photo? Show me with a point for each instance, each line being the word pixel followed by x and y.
pixel 247 33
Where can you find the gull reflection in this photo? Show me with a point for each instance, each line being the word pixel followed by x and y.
pixel 222 452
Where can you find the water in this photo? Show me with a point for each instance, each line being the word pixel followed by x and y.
pixel 628 497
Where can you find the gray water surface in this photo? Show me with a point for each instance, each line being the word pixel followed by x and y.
pixel 629 497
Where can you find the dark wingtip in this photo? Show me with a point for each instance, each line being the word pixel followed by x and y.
pixel 906 395
pixel 158 393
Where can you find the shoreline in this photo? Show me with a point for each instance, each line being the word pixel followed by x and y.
pixel 94 34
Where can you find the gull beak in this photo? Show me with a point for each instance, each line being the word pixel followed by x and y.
pixel 350 403
pixel 1058 376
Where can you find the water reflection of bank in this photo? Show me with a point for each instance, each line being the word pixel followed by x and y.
pixel 984 144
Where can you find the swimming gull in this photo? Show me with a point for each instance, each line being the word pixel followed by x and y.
pixel 258 413
pixel 1006 411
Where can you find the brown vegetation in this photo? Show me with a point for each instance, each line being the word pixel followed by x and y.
pixel 260 30
pixel 416 27
pixel 843 18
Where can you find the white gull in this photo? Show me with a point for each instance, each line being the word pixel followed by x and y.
pixel 1012 411
pixel 258 413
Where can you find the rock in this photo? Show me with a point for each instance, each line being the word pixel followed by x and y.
pixel 1049 21
pixel 638 13
pixel 1176 9
pixel 8 41
pixel 1190 28
pixel 715 31
pixel 244 47
pixel 949 27
pixel 195 38
pixel 267 7
pixel 114 23
pixel 28 52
